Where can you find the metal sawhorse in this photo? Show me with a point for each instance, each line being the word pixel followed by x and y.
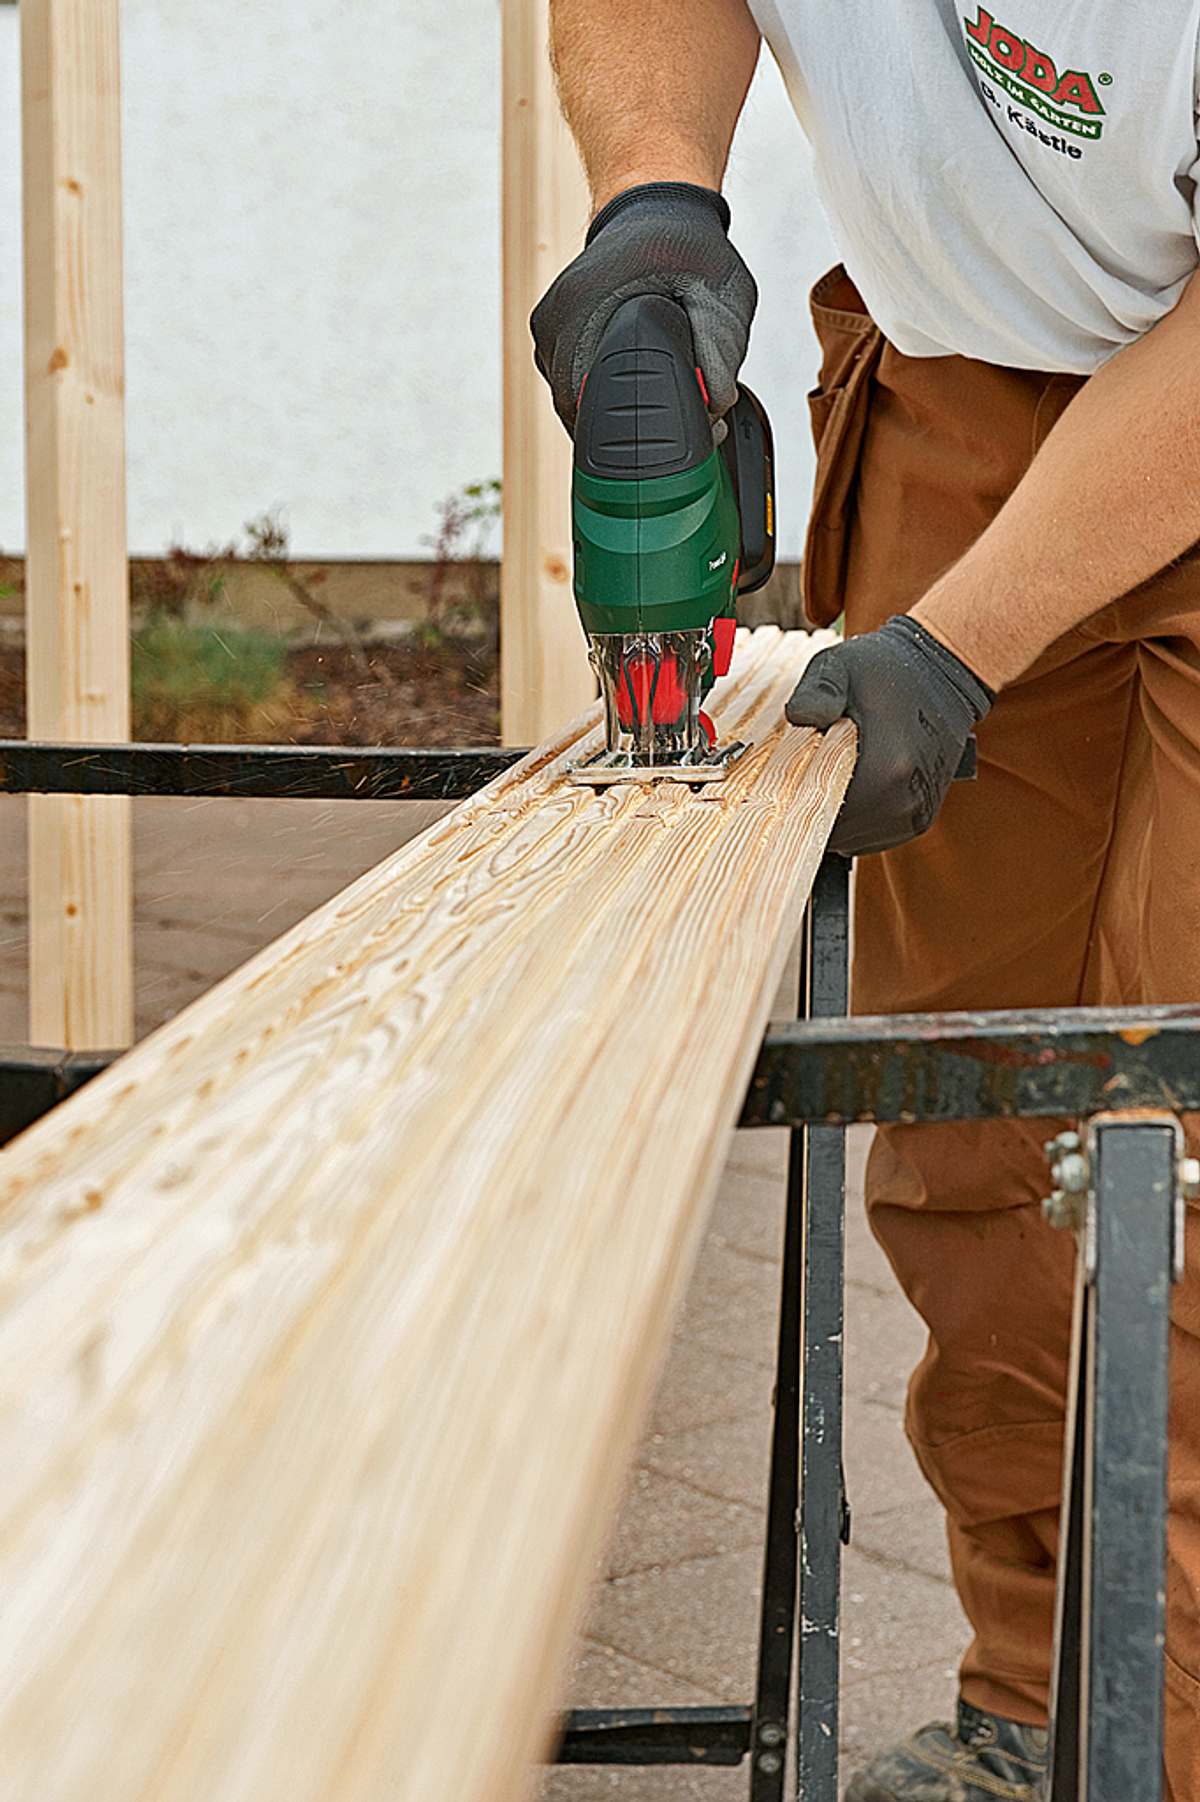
pixel 1128 1072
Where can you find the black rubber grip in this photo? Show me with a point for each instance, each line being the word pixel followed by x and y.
pixel 643 411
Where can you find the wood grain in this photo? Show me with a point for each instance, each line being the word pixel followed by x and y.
pixel 544 671
pixel 77 609
pixel 328 1317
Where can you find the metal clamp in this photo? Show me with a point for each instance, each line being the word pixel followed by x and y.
pixel 1071 1204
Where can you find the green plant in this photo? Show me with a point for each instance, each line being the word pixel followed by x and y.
pixel 205 682
pixel 460 587
pixel 184 583
pixel 12 578
pixel 181 582
pixel 268 545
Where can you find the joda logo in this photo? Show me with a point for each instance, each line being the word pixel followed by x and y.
pixel 1032 77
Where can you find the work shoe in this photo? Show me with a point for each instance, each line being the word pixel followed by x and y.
pixel 980 1758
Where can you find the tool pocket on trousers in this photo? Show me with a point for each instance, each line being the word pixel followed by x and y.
pixel 851 344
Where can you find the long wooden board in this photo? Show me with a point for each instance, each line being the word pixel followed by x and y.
pixel 329 1315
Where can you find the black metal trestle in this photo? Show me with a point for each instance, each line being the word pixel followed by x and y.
pixel 1108 1701
pixel 816 1077
pixel 1108 1705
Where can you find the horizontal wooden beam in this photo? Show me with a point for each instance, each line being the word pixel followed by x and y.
pixel 331 1312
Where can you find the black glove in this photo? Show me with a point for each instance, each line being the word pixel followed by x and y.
pixel 666 237
pixel 914 704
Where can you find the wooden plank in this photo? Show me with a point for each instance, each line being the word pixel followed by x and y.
pixel 77 609
pixel 329 1315
pixel 544 672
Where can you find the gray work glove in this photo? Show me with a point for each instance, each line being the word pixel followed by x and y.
pixel 666 237
pixel 915 705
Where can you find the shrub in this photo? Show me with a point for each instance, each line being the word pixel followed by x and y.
pixel 202 683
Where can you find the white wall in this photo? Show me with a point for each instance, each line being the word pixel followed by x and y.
pixel 312 268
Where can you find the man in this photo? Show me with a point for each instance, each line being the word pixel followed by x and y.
pixel 1007 497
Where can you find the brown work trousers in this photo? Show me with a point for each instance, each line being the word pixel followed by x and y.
pixel 1068 874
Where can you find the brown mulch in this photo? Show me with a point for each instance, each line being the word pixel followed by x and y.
pixel 410 694
pixel 12 692
pixel 446 694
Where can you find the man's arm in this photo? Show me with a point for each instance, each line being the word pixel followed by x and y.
pixel 1110 499
pixel 652 89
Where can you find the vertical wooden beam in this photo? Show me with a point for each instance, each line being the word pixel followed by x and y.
pixel 77 608
pixel 544 674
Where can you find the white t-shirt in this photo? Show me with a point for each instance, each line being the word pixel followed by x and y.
pixel 1016 185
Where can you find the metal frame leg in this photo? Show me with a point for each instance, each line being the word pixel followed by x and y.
pixel 806 1516
pixel 771 1728
pixel 824 1517
pixel 809 1366
pixel 1108 1708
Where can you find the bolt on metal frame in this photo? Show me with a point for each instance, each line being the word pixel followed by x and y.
pixel 1129 1071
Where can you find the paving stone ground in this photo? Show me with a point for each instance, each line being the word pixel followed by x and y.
pixel 673 1613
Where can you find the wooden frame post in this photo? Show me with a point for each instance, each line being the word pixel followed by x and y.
pixel 544 673
pixel 77 605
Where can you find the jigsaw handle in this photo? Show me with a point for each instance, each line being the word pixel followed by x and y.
pixel 643 411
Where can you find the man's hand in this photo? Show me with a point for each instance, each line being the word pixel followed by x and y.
pixel 914 705
pixel 660 238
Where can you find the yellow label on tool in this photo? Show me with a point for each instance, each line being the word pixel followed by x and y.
pixel 770 515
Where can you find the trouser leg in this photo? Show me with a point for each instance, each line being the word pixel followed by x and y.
pixel 1070 873
pixel 1154 897
pixel 995 908
pixel 944 923
pixel 992 908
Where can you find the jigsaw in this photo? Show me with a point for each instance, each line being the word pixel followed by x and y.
pixel 669 528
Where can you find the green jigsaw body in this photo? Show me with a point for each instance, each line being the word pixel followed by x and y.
pixel 658 554
pixel 669 527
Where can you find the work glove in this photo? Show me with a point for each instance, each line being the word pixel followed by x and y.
pixel 665 237
pixel 915 705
